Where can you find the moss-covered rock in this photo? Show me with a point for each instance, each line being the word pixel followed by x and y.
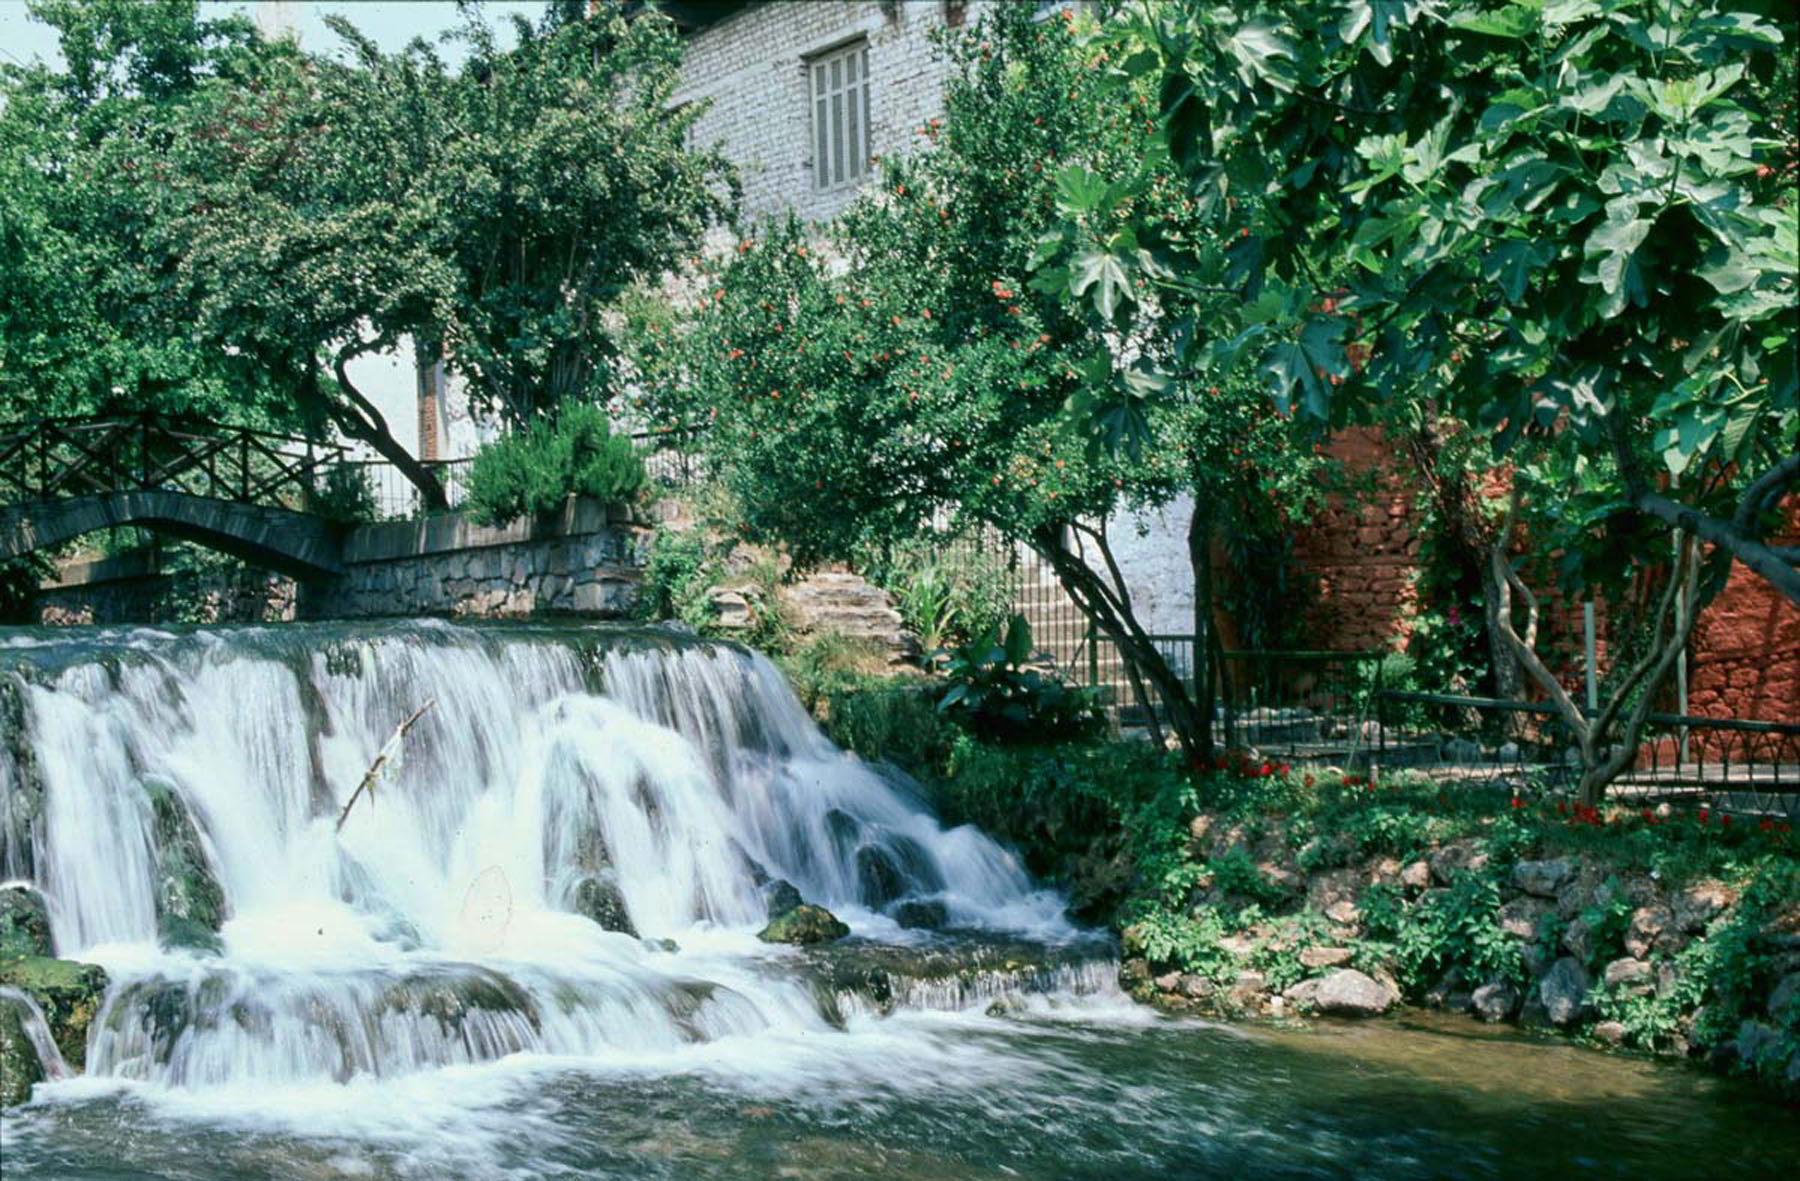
pixel 600 899
pixel 804 924
pixel 190 906
pixel 69 993
pixel 24 923
pixel 19 1065
pixel 780 896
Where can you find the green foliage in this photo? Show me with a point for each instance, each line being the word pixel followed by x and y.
pixel 193 218
pixel 885 718
pixel 996 694
pixel 1235 872
pixel 346 495
pixel 946 593
pixel 677 576
pixel 19 579
pixel 535 470
pixel 1523 216
pixel 1455 927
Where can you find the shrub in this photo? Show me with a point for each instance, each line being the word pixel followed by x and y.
pixel 535 470
pixel 677 576
pixel 346 496
pixel 995 695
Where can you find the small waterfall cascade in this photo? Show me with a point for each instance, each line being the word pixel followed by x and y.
pixel 445 922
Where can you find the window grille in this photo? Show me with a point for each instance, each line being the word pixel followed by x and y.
pixel 840 102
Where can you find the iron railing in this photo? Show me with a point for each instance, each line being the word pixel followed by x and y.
pixel 61 458
pixel 1729 764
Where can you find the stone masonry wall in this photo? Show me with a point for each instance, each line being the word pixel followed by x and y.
pixel 752 68
pixel 586 561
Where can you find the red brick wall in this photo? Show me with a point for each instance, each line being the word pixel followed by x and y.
pixel 1364 552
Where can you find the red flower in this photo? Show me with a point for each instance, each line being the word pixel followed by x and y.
pixel 1703 816
pixel 1264 771
pixel 1517 802
pixel 1308 781
pixel 1725 821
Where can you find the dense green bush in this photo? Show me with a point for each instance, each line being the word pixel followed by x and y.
pixel 947 594
pixel 346 496
pixel 677 576
pixel 996 694
pixel 535 470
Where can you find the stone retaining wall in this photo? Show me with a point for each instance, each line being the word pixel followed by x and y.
pixel 584 561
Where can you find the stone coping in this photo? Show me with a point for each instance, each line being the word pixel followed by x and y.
pixel 388 541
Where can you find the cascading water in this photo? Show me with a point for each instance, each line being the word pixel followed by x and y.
pixel 439 925
pixel 432 992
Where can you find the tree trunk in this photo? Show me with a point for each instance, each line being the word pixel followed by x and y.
pixel 1107 603
pixel 360 420
pixel 1199 539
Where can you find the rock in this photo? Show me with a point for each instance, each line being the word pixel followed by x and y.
pixel 1168 982
pixel 1700 903
pixel 1345 993
pixel 1578 940
pixel 780 896
pixel 878 876
pixel 805 924
pixel 1196 987
pixel 601 900
pixel 1438 997
pixel 917 915
pixel 1536 959
pixel 190 906
pixel 1564 990
pixel 1247 989
pixel 1416 876
pixel 663 945
pixel 1133 973
pixel 1281 878
pixel 1785 995
pixel 1344 913
pixel 1647 925
pixel 1199 827
pixel 1333 886
pixel 1610 1032
pixel 1542 878
pixel 1457 857
pixel 1495 1001
pixel 19 1065
pixel 1324 957
pixel 24 923
pixel 1755 1041
pixel 69 994
pixel 1520 917
pixel 1631 976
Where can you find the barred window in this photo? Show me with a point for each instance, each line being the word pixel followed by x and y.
pixel 840 101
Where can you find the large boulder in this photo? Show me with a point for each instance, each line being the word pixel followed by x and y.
pixel 1345 993
pixel 1495 1002
pixel 68 993
pixel 19 1065
pixel 24 923
pixel 1564 991
pixel 780 896
pixel 804 924
pixel 190 905
pixel 1542 878
pixel 601 900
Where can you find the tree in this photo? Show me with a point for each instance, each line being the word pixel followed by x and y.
pixel 248 218
pixel 913 377
pixel 1569 222
pixel 90 321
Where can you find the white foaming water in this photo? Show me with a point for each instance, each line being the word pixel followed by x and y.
pixel 436 930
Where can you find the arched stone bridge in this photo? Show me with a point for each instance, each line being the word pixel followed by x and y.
pixel 234 489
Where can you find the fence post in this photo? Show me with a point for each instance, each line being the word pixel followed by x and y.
pixel 1093 651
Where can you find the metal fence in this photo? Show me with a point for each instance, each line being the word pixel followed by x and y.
pixel 1730 764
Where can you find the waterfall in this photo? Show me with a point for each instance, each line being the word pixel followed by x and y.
pixel 442 924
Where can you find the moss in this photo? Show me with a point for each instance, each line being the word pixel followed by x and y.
pixel 69 993
pixel 804 924
pixel 190 906
pixel 24 923
pixel 19 1065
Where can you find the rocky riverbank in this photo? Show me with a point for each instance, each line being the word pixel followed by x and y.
pixel 1286 921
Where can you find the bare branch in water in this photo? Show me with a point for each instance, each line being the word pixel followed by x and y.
pixel 381 760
